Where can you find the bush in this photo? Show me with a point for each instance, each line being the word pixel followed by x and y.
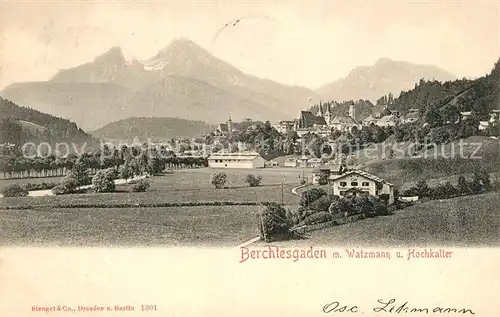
pixel 14 190
pixel 39 186
pixel 302 182
pixel 367 205
pixel 443 191
pixel 311 195
pixel 103 181
pixel 273 223
pixel 141 186
pixel 218 180
pixel 111 173
pixel 422 188
pixel 342 207
pixel 126 172
pixel 323 203
pixel 80 173
pixel 253 180
pixel 319 217
pixel 68 185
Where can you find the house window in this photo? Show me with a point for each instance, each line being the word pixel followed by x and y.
pixel 365 184
pixel 354 183
pixel 343 184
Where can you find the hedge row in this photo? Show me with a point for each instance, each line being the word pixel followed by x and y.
pixel 142 205
pixel 39 186
pixel 322 225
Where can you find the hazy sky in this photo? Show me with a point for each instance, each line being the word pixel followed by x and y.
pixel 304 42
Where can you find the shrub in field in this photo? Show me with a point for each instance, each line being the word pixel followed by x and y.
pixel 273 223
pixel 443 191
pixel 68 185
pixel 323 203
pixel 155 166
pixel 378 206
pixel 302 182
pixel 319 217
pixel 103 181
pixel 367 205
pixel 422 188
pixel 111 173
pixel 462 186
pixel 14 190
pixel 253 180
pixel 218 180
pixel 39 186
pixel 141 186
pixel 311 195
pixel 80 173
pixel 342 207
pixel 126 172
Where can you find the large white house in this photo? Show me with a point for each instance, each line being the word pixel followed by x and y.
pixel 358 182
pixel 236 160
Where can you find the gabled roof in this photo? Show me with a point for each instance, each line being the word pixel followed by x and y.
pixel 234 156
pixel 322 168
pixel 223 127
pixel 361 173
pixel 343 120
pixel 335 167
pixel 310 119
pixel 388 118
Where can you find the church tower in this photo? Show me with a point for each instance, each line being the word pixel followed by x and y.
pixel 320 111
pixel 352 112
pixel 229 126
pixel 328 115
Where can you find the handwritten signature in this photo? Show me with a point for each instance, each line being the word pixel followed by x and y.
pixel 391 307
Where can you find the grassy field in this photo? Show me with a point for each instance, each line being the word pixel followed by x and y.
pixel 183 186
pixel 472 221
pixel 186 226
pixel 46 224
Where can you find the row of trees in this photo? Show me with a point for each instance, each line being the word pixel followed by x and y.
pixel 480 183
pixel 139 160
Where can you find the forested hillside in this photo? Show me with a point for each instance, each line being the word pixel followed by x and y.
pixel 22 124
pixel 479 96
pixel 441 105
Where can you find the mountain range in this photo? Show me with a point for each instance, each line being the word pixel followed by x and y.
pixel 156 129
pixel 384 77
pixel 183 80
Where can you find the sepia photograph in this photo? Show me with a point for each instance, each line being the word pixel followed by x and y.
pixel 247 125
